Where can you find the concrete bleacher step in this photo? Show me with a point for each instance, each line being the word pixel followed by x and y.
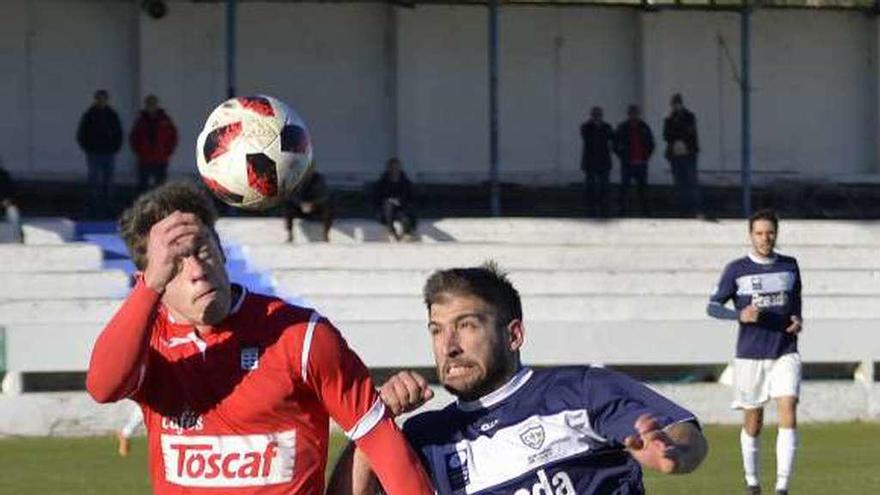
pixel 37 230
pixel 557 231
pixel 586 307
pixel 63 285
pixel 539 257
pixel 49 258
pixel 46 347
pixel 63 311
pixel 311 282
pixel 705 341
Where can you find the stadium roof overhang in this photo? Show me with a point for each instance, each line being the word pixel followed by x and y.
pixel 870 6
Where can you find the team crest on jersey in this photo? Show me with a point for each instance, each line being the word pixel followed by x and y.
pixel 533 437
pixel 250 358
pixel 757 284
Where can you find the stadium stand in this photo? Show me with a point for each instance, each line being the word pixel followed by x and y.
pixel 628 294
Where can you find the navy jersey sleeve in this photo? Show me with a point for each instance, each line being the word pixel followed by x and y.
pixel 726 288
pixel 616 401
pixel 796 292
pixel 413 430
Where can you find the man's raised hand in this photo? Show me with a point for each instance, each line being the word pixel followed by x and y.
pixel 170 240
pixel 651 446
pixel 405 391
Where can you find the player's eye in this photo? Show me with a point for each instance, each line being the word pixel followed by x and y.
pixel 467 324
pixel 433 329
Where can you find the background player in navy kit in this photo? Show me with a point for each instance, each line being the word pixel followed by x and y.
pixel 766 289
pixel 514 430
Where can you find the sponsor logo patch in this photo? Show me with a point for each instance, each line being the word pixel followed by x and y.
pixel 229 460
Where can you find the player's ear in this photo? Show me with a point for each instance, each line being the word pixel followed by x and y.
pixel 516 334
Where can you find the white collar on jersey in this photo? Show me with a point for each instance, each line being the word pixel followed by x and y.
pixel 762 260
pixel 233 308
pixel 499 394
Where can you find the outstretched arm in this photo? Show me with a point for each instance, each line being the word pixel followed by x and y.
pixel 353 474
pixel 677 449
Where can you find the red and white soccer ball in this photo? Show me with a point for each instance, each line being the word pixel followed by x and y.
pixel 253 152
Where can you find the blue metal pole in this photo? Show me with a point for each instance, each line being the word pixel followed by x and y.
pixel 745 91
pixel 230 47
pixel 495 188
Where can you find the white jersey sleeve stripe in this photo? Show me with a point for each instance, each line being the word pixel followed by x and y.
pixel 368 421
pixel 307 344
pixel 142 373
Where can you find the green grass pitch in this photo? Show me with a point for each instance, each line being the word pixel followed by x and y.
pixel 833 458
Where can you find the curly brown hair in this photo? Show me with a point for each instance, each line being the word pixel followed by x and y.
pixel 152 206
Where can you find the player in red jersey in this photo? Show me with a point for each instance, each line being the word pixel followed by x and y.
pixel 237 388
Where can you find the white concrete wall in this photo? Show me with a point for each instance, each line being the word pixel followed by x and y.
pixel 182 59
pixel 373 80
pixel 331 62
pixel 814 89
pixel 59 53
pixel 553 65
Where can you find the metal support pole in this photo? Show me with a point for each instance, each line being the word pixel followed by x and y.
pixel 230 47
pixel 495 188
pixel 745 94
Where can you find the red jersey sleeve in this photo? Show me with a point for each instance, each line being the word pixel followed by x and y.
pixel 339 379
pixel 119 355
pixel 343 384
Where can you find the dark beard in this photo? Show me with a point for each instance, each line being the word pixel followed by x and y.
pixel 498 373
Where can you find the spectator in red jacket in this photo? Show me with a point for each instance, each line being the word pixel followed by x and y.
pixel 153 139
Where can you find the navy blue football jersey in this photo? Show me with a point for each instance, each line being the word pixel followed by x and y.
pixel 556 431
pixel 775 288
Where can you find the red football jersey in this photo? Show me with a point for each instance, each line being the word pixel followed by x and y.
pixel 246 408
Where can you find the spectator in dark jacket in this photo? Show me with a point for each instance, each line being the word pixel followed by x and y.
pixel 634 145
pixel 99 134
pixel 392 197
pixel 682 147
pixel 312 202
pixel 153 139
pixel 598 138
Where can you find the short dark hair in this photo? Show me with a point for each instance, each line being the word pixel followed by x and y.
pixel 764 214
pixel 152 206
pixel 101 93
pixel 486 282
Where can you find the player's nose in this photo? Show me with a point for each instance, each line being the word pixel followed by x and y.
pixel 195 268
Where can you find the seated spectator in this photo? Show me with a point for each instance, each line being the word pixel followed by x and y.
pixel 312 202
pixel 392 197
pixel 11 213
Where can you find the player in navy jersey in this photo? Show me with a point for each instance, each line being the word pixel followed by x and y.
pixel 518 431
pixel 766 291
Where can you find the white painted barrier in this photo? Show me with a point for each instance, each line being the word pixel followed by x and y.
pixel 262 231
pixel 537 257
pixel 312 282
pixel 579 308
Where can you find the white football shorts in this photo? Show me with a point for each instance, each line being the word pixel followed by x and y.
pixel 755 381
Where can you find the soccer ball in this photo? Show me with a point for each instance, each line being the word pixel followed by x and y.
pixel 253 152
